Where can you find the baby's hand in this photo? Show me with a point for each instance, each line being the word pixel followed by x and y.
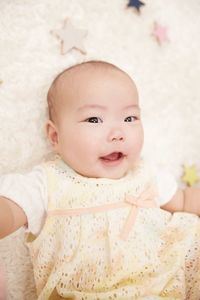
pixel 2 285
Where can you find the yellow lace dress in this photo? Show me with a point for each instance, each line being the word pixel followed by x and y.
pixel 107 239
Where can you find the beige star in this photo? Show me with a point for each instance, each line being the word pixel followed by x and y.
pixel 190 175
pixel 71 37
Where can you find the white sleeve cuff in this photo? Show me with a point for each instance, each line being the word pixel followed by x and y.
pixel 29 191
pixel 167 186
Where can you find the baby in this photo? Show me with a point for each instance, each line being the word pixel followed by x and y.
pixel 99 222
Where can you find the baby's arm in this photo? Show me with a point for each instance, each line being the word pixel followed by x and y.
pixel 187 200
pixel 12 217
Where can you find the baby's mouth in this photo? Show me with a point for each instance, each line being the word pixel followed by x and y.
pixel 112 157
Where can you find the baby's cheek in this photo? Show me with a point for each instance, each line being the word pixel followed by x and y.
pixel 138 138
pixel 90 141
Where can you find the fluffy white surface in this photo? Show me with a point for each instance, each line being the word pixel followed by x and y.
pixel 167 78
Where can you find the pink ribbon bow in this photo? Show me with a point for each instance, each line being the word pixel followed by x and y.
pixel 144 200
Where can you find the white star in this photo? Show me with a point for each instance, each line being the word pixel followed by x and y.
pixel 71 37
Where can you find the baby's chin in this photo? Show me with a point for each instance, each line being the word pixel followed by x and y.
pixel 115 172
pixel 97 174
pixel 107 170
pixel 108 174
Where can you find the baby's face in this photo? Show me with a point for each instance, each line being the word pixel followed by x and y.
pixel 100 133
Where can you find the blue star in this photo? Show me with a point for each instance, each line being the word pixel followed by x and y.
pixel 136 4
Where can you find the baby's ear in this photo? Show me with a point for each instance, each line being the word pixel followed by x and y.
pixel 52 133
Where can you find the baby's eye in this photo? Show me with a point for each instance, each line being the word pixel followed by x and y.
pixel 130 119
pixel 94 120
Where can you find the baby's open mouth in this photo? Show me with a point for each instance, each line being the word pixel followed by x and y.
pixel 114 156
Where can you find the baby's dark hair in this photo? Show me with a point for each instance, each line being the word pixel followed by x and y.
pixel 51 96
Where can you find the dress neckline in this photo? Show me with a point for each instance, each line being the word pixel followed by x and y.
pixel 64 168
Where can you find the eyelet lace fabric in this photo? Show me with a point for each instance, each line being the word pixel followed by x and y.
pixel 82 255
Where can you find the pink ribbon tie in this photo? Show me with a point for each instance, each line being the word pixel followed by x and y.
pixel 144 200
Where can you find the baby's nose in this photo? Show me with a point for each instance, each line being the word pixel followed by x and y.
pixel 116 135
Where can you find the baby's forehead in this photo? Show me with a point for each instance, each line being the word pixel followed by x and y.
pixel 74 77
pixel 71 79
pixel 84 72
pixel 69 83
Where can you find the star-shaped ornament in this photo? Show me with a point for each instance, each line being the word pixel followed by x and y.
pixel 70 37
pixel 136 4
pixel 160 33
pixel 190 175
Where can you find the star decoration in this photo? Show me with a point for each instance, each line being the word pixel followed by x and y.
pixel 190 175
pixel 71 37
pixel 136 4
pixel 160 33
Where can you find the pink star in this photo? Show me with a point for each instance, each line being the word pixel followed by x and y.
pixel 160 33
